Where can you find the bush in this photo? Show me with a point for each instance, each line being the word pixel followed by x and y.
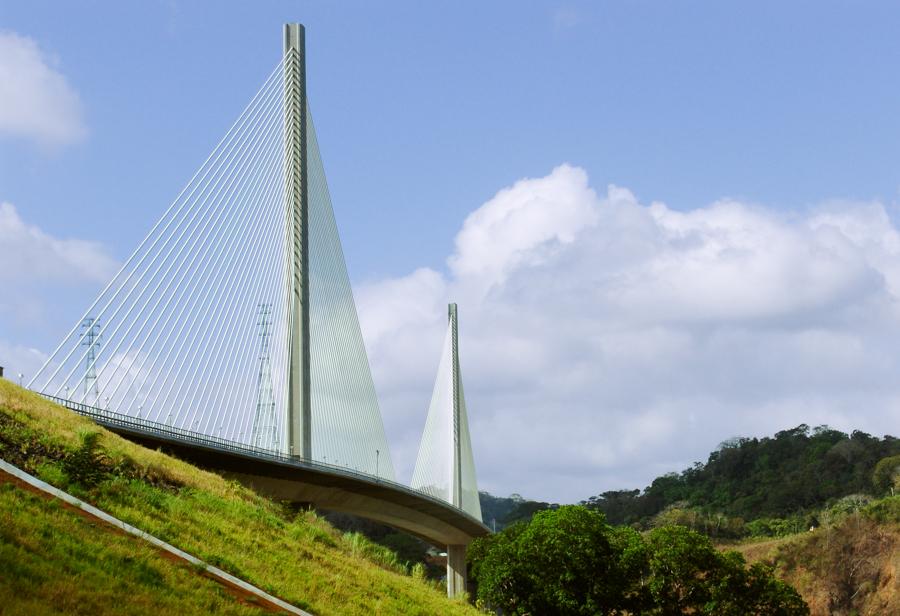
pixel 885 510
pixel 418 572
pixel 716 525
pixel 85 465
pixel 886 476
pixel 780 527
pixel 844 507
pixel 570 561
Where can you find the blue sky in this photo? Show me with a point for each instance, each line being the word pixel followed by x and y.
pixel 425 111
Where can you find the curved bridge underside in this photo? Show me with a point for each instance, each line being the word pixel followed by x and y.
pixel 323 487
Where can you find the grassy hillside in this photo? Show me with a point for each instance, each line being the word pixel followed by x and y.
pixel 850 565
pixel 52 556
pixel 296 556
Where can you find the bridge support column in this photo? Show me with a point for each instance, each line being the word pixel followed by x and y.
pixel 299 418
pixel 456 570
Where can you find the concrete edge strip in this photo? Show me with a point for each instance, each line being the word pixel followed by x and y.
pixel 128 528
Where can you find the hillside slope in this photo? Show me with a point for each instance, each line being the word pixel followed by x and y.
pixel 851 566
pixel 295 556
pixel 796 470
pixel 52 556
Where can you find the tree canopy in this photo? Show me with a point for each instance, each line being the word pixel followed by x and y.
pixel 569 560
pixel 797 470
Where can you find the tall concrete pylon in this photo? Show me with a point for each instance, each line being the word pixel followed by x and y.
pixel 299 412
pixel 253 227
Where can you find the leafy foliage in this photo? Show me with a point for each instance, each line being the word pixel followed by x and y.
pixel 403 551
pixel 570 561
pixel 886 475
pixel 797 470
pixel 711 524
pixel 498 512
pixel 495 509
pixel 84 465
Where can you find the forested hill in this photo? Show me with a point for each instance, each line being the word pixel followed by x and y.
pixel 761 496
pixel 797 470
pixel 498 512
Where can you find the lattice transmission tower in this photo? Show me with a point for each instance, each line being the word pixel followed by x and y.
pixel 265 422
pixel 90 338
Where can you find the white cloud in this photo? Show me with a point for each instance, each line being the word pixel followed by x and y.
pixel 30 254
pixel 523 226
pixel 36 101
pixel 17 359
pixel 38 271
pixel 605 341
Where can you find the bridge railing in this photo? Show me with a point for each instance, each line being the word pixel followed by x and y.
pixel 154 428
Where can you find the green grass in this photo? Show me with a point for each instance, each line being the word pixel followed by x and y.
pixel 53 557
pixel 296 556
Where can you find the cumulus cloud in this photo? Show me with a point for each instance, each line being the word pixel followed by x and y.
pixel 18 359
pixel 523 225
pixel 36 101
pixel 33 255
pixel 37 269
pixel 605 341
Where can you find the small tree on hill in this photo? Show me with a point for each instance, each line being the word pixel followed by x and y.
pixel 886 475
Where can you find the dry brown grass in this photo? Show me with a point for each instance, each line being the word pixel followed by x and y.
pixel 848 568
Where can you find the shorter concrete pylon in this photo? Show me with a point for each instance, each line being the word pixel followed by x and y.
pixel 445 467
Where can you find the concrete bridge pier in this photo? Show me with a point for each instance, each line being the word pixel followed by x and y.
pixel 456 570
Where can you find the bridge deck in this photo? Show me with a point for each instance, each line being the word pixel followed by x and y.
pixel 285 478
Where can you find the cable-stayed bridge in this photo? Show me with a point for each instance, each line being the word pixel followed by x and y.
pixel 230 336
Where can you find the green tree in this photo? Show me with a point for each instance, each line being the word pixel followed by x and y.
pixel 564 561
pixel 886 475
pixel 689 576
pixel 570 561
pixel 632 563
pixel 680 559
